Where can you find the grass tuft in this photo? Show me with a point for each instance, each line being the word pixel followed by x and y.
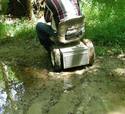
pixel 17 28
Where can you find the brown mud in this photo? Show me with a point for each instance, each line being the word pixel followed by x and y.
pixel 36 89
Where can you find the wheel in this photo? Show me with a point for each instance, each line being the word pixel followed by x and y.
pixel 90 45
pixel 56 59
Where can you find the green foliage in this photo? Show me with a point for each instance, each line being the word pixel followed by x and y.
pixel 1 74
pixel 17 29
pixel 2 30
pixel 105 21
pixel 11 74
pixel 4 6
pixel 25 29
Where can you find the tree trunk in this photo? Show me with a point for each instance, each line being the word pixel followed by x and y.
pixel 17 8
pixel 29 9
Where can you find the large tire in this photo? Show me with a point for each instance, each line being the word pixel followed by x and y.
pixel 90 45
pixel 56 60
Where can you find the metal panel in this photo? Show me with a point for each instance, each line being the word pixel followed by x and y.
pixel 75 56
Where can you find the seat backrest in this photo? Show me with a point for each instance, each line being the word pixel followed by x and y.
pixel 70 30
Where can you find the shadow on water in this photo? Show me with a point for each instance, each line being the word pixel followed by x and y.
pixel 39 90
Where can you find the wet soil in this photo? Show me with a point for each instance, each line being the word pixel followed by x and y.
pixel 36 89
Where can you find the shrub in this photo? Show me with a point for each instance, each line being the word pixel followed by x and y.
pixel 105 21
pixel 17 28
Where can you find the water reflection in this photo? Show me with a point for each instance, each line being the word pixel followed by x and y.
pixel 11 90
pixel 30 92
pixel 9 96
pixel 3 97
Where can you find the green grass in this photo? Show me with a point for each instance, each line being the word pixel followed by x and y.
pixel 19 28
pixel 105 22
pixel 104 25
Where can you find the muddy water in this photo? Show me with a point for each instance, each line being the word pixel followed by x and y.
pixel 93 90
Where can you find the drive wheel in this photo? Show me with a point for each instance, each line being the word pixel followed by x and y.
pixel 56 60
pixel 90 45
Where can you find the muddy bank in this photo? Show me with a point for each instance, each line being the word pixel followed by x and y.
pixel 36 89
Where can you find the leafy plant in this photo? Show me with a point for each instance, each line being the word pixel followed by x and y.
pixel 105 21
pixel 22 28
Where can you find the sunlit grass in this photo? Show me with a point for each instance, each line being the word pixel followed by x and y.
pixel 17 28
pixel 105 23
pixel 11 74
pixel 1 74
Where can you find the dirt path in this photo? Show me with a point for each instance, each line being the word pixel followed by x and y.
pixel 99 89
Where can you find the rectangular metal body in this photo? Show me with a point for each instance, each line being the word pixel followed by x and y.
pixel 74 56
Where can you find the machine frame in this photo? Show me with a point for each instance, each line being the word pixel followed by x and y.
pixel 69 50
